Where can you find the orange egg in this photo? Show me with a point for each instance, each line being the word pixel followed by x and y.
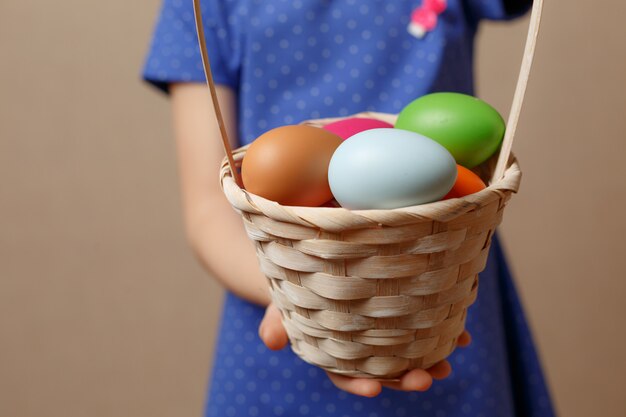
pixel 289 165
pixel 466 183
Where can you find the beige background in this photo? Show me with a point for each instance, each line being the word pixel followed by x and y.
pixel 103 312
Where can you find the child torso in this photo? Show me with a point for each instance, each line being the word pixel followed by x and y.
pixel 303 59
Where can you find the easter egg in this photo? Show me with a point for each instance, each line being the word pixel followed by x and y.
pixel 466 183
pixel 390 168
pixel 468 127
pixel 289 165
pixel 349 127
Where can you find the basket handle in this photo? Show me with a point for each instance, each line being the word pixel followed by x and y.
pixel 520 90
pixel 216 105
pixel 516 107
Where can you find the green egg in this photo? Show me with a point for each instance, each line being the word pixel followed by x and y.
pixel 468 127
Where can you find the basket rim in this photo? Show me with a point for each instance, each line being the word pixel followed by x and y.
pixel 337 219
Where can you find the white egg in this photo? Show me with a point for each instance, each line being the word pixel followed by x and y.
pixel 390 168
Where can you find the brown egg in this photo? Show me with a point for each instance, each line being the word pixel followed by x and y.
pixel 289 165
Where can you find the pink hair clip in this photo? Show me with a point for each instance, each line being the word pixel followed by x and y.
pixel 424 18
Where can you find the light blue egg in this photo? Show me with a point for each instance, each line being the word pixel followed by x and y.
pixel 390 168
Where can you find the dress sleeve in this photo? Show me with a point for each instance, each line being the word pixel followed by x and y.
pixel 497 9
pixel 174 54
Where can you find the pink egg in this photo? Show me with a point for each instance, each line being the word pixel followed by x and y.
pixel 350 127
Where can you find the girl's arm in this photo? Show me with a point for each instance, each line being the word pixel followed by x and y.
pixel 214 231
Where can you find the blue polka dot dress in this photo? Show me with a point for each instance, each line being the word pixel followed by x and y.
pixel 291 60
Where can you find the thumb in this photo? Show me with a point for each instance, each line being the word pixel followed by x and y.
pixel 271 330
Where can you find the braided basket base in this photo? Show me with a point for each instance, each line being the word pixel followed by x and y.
pixel 373 293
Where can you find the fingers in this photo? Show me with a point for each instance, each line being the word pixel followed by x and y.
pixel 415 380
pixel 271 330
pixel 357 386
pixel 440 370
pixel 465 339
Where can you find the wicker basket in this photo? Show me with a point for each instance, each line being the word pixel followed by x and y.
pixel 375 293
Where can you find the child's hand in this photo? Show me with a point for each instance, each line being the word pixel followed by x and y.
pixel 274 336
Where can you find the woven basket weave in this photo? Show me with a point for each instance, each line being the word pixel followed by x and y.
pixel 373 293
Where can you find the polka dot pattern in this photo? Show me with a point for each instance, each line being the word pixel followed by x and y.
pixel 291 60
pixel 319 51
